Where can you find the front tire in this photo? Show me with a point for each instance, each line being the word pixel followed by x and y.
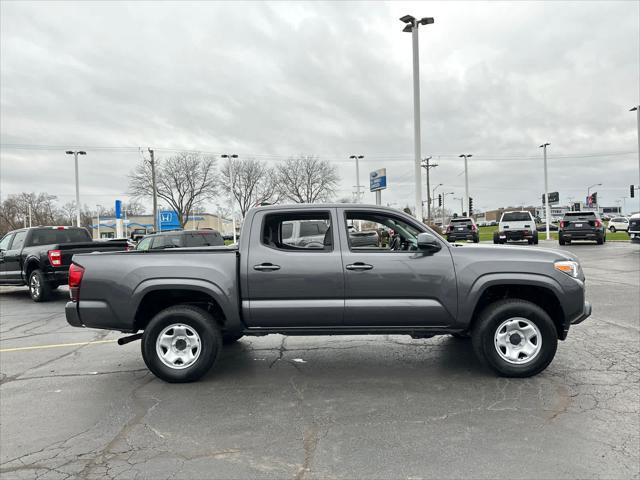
pixel 516 338
pixel 181 343
pixel 39 288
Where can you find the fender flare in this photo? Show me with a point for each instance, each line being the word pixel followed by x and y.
pixel 227 305
pixel 482 283
pixel 27 263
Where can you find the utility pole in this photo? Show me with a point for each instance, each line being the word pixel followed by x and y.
pixel 29 216
pixel 547 209
pixel 155 194
pixel 427 167
pixel 412 26
pixel 98 222
pixel 444 194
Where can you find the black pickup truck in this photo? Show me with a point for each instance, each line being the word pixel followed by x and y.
pixel 40 256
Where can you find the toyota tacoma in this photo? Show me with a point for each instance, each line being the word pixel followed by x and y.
pixel 186 303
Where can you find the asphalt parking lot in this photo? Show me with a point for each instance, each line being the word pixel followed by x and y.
pixel 326 407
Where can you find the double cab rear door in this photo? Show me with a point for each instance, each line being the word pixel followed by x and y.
pixel 327 277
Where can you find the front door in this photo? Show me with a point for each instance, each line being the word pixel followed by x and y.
pixel 388 281
pixel 4 247
pixel 12 267
pixel 294 270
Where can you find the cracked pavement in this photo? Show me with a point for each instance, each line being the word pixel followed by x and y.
pixel 354 407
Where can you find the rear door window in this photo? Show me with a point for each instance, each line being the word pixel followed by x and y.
pixel 18 240
pixel 298 231
pixel 166 241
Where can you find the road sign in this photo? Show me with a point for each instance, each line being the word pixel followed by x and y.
pixel 554 197
pixel 378 180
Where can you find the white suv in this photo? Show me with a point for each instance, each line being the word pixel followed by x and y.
pixel 516 226
pixel 618 223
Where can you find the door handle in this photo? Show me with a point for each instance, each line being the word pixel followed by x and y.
pixel 266 267
pixel 359 266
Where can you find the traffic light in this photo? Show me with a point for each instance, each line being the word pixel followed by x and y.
pixel 631 191
pixel 470 206
pixel 594 198
pixel 440 198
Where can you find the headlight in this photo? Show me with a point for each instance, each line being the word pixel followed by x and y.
pixel 569 267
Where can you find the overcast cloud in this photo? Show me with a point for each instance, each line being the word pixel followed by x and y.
pixel 330 79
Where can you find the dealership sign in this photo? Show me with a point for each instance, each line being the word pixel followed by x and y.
pixel 378 180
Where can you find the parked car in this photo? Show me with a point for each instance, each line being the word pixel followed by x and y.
pixel 39 257
pixel 138 233
pixel 514 303
pixel 180 238
pixel 516 226
pixel 581 226
pixel 634 227
pixel 618 223
pixel 462 228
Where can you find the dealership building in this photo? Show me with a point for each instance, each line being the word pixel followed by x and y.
pixel 167 220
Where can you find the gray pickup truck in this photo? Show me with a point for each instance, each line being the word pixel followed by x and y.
pixel 514 303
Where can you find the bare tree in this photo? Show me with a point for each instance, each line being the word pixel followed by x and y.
pixel 183 181
pixel 307 179
pixel 249 183
pixel 14 210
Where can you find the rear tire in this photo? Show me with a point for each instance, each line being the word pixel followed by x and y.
pixel 476 239
pixel 181 343
pixel 39 288
pixel 535 239
pixel 561 241
pixel 600 240
pixel 505 322
pixel 496 238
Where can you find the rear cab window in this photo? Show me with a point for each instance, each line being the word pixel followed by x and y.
pixel 166 241
pixel 516 217
pixel 50 236
pixel 203 239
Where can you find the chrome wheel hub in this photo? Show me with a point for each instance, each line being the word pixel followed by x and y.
pixel 178 346
pixel 34 286
pixel 518 340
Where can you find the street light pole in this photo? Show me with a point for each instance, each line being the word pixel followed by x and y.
pixel 466 178
pixel 444 194
pixel 637 110
pixel 358 192
pixel 75 158
pixel 547 209
pixel 232 179
pixel 155 190
pixel 98 214
pixel 412 26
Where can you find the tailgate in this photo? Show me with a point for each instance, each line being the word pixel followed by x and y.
pixel 580 224
pixel 68 250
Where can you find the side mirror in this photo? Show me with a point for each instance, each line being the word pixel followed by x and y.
pixel 426 241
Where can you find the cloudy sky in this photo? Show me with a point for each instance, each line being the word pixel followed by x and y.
pixel 274 80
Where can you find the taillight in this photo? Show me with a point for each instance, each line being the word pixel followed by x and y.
pixel 561 224
pixel 75 277
pixel 598 223
pixel 55 257
pixel 450 228
pixel 474 228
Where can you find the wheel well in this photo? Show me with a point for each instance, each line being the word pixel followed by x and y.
pixel 31 266
pixel 157 300
pixel 543 297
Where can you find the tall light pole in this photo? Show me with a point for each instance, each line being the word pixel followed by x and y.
pixel 412 26
pixel 233 209
pixel 75 157
pixel 547 209
pixel 637 110
pixel 155 189
pixel 98 208
pixel 427 167
pixel 443 197
pixel 358 192
pixel 466 179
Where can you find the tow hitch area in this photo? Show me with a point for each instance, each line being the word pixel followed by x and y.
pixel 129 339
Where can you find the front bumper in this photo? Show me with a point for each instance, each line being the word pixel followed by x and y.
pixel 586 312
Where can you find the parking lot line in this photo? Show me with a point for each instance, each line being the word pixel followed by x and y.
pixel 58 345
